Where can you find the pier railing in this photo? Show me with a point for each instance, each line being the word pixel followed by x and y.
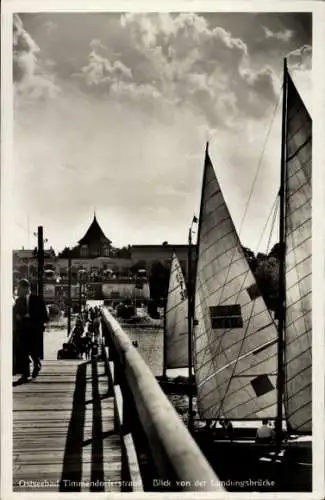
pixel 167 457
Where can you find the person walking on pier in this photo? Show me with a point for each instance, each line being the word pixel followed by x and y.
pixel 30 314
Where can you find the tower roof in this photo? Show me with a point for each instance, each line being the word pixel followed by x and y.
pixel 94 234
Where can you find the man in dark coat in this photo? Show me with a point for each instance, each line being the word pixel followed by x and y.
pixel 30 314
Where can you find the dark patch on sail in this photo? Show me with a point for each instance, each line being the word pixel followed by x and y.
pixel 253 291
pixel 262 385
pixel 226 316
pixel 267 345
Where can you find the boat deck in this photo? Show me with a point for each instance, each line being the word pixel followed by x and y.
pixel 63 430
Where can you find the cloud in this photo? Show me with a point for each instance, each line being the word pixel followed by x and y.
pixel 97 44
pixel 100 71
pixel 178 61
pixel 262 90
pixel 158 61
pixel 283 36
pixel 300 67
pixel 31 78
pixel 300 58
pixel 193 65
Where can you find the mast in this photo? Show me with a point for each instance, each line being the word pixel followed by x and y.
pixel 190 318
pixel 282 270
pixel 192 283
pixel 189 323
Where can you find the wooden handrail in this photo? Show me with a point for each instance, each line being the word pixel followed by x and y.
pixel 130 464
pixel 176 455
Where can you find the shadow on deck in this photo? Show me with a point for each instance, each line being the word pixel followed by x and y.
pixel 63 430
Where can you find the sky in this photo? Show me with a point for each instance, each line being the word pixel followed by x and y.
pixel 112 113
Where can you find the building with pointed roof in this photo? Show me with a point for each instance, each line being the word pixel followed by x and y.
pixel 94 243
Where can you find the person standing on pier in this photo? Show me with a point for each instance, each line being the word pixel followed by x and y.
pixel 30 314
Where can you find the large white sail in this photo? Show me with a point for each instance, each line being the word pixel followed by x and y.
pixel 176 329
pixel 235 338
pixel 298 228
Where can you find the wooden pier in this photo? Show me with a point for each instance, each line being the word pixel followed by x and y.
pixel 103 425
pixel 64 438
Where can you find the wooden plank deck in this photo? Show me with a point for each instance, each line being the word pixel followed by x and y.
pixel 63 430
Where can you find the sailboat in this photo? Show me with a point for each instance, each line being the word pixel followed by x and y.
pixel 175 340
pixel 249 363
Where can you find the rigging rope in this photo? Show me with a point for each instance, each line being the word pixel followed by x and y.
pixel 273 224
pixel 259 164
pixel 274 211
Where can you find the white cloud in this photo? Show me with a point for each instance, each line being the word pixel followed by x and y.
pixel 32 79
pixel 97 44
pixel 193 65
pixel 101 71
pixel 301 58
pixel 300 67
pixel 283 36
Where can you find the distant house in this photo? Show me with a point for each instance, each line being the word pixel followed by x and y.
pixel 94 243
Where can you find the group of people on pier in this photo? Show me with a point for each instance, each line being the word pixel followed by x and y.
pixel 83 342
